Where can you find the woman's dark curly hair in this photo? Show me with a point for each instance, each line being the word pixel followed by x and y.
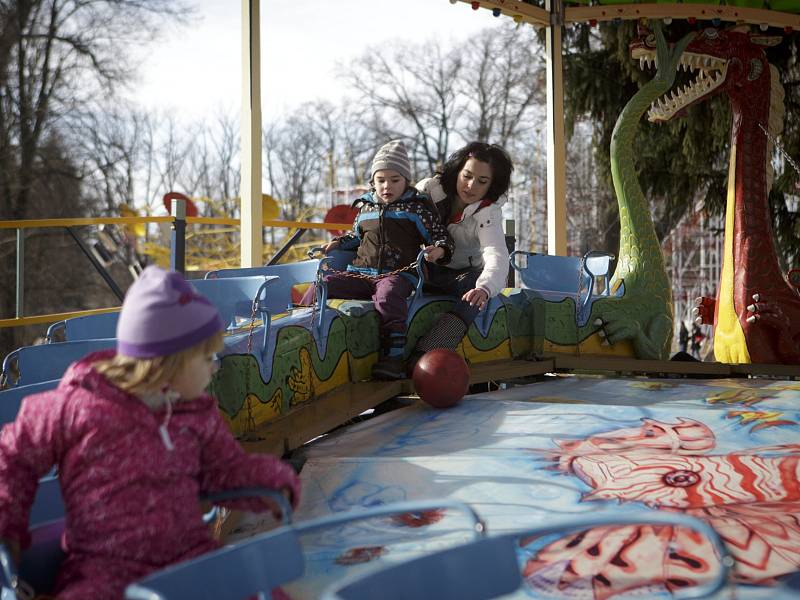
pixel 493 154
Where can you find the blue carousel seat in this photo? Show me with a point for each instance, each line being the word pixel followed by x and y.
pixel 264 562
pixel 40 562
pixel 789 589
pixel 489 567
pixel 279 297
pixel 11 398
pixel 87 327
pixel 46 362
pixel 235 297
pixel 48 505
pixel 554 278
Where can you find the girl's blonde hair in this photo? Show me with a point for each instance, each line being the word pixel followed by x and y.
pixel 147 375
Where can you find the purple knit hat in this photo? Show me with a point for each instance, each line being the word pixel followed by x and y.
pixel 162 314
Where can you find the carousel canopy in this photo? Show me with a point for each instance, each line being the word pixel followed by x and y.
pixel 769 13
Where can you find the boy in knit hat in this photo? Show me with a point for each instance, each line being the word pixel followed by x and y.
pixel 394 222
pixel 137 441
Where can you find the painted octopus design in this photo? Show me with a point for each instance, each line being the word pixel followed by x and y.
pixel 751 498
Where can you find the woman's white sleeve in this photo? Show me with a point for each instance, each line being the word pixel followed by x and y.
pixel 433 187
pixel 495 253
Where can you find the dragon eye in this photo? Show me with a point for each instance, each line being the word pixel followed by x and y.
pixel 650 40
pixel 711 34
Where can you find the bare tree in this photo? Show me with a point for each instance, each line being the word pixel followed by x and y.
pixel 504 83
pixel 226 147
pixel 415 90
pixel 296 162
pixel 110 153
pixel 55 57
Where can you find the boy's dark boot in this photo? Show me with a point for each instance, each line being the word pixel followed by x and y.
pixel 390 365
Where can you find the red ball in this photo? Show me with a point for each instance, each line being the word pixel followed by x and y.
pixel 441 378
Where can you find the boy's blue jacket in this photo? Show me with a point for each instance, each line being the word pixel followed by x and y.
pixel 389 236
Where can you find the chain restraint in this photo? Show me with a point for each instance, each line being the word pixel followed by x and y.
pixel 354 274
pixel 250 424
pixel 578 307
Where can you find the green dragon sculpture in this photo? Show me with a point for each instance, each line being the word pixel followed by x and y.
pixel 643 314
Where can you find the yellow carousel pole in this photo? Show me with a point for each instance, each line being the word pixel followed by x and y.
pixel 251 211
pixel 556 153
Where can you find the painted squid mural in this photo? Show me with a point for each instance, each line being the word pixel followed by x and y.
pixel 751 498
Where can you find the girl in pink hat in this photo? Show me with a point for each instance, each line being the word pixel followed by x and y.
pixel 137 441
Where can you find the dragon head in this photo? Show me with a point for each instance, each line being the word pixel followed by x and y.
pixel 728 61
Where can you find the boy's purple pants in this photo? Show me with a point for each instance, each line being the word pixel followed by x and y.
pixel 388 293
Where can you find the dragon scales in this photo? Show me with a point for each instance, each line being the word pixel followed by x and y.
pixel 756 314
pixel 644 313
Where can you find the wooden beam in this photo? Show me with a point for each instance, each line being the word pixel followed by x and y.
pixel 526 13
pixel 762 370
pixel 754 16
pixel 252 248
pixel 519 11
pixel 633 365
pixel 509 369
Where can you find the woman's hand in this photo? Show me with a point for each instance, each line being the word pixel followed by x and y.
pixel 476 297
pixel 433 253
pixel 330 246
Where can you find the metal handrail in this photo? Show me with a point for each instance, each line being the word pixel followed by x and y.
pixel 23 224
pixel 45 223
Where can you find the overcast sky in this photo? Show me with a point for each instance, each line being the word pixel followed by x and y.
pixel 197 69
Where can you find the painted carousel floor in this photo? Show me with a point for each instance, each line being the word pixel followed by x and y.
pixel 726 451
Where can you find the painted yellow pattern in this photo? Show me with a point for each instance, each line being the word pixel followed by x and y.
pixel 740 396
pixel 591 345
pixel 301 381
pixel 652 385
pixel 729 343
pixel 256 412
pixel 787 387
pixel 473 355
pixel 361 368
pixel 760 419
pixel 306 385
pixel 754 416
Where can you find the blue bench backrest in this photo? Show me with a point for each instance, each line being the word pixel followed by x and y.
pixel 89 327
pixel 11 399
pixel 258 564
pixel 265 561
pixel 232 296
pixel 45 362
pixel 554 278
pixel 489 567
pixel 48 505
pixel 279 294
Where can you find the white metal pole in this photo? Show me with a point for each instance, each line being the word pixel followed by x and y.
pixel 252 247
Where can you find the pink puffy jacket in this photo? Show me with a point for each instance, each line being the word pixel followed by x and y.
pixel 132 504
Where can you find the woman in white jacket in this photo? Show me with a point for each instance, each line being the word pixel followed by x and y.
pixel 469 193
